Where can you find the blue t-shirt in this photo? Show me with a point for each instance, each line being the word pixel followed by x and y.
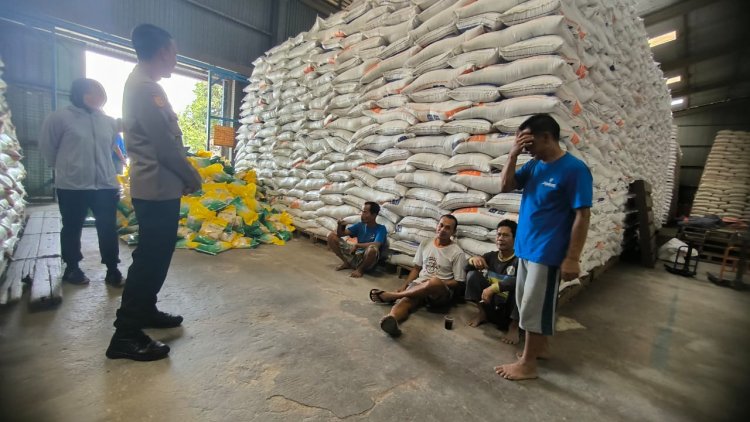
pixel 366 234
pixel 551 194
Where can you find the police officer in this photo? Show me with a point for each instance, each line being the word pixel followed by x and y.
pixel 160 174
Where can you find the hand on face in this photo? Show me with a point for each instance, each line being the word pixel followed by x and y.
pixel 524 140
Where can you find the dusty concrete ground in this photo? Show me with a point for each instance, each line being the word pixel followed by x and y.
pixel 274 334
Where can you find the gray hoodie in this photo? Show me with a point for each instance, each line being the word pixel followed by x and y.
pixel 78 144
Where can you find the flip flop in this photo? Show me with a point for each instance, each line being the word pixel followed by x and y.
pixel 390 326
pixel 375 296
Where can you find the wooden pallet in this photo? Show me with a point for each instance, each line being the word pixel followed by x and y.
pixel 36 261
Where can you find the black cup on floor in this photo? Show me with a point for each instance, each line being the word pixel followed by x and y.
pixel 448 322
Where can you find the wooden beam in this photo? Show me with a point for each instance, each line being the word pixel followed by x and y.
pixel 677 9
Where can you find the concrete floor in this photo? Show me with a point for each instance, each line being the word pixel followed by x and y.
pixel 274 334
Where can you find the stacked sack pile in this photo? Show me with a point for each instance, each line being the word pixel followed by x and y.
pixel 670 177
pixel 414 103
pixel 724 189
pixel 228 212
pixel 12 173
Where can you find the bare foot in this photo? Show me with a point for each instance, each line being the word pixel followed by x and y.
pixel 516 371
pixel 545 355
pixel 511 337
pixel 356 274
pixel 342 267
pixel 388 297
pixel 477 321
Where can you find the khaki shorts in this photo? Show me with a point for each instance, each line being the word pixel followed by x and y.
pixel 441 299
pixel 354 259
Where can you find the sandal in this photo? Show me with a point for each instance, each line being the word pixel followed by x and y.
pixel 390 326
pixel 376 296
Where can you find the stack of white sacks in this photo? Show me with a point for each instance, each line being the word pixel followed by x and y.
pixel 12 172
pixel 414 103
pixel 724 189
pixel 669 185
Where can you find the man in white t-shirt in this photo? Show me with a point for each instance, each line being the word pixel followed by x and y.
pixel 439 270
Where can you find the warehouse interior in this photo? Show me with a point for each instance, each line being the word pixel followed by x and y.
pixel 265 340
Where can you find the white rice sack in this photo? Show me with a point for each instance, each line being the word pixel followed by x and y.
pixel 381 142
pixel 428 195
pixel 430 179
pixel 503 74
pixel 413 207
pixel 468 126
pixel 468 161
pixel 530 10
pixel 387 170
pixel 499 162
pixel 510 202
pixel 311 205
pixel 391 88
pixel 432 144
pixel 419 223
pixel 432 95
pixel 389 215
pixel 481 217
pixel 427 128
pixel 474 232
pixel 372 195
pixel 312 195
pixel 338 212
pixel 451 45
pixel 332 199
pixel 350 124
pixel 476 247
pixel 311 184
pixel 339 176
pixel 365 132
pixel 456 200
pixel 383 116
pixel 390 227
pixel 412 234
pixel 401 259
pixel 478 59
pixel 354 201
pixel 394 101
pixel 327 223
pixel 486 6
pixel 513 107
pixel 437 111
pixel 490 21
pixel 366 178
pixel 336 188
pixel 535 85
pixel 545 45
pixel 406 247
pixel 475 93
pixel 390 185
pixel 428 161
pixel 288 182
pixel 437 78
pixel 393 127
pixel 343 166
pixel 392 154
pixel 391 63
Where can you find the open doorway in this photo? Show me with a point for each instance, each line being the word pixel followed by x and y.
pixel 187 95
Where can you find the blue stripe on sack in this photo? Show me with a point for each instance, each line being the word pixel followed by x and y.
pixel 548 309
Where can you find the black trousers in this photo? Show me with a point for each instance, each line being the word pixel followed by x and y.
pixel 498 311
pixel 74 205
pixel 157 235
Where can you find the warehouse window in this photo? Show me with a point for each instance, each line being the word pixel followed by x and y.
pixel 112 72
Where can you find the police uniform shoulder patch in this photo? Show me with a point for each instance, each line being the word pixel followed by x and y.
pixel 160 101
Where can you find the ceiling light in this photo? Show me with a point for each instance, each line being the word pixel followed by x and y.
pixel 678 101
pixel 662 39
pixel 674 80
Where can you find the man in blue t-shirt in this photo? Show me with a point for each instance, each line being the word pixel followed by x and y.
pixel 370 243
pixel 552 225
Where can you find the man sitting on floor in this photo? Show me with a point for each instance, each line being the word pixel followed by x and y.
pixel 363 255
pixel 439 270
pixel 491 283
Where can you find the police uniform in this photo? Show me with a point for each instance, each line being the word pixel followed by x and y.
pixel 159 174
